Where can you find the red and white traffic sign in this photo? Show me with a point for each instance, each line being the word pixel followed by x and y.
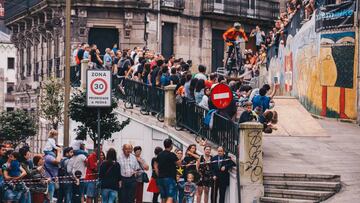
pixel 98 92
pixel 221 96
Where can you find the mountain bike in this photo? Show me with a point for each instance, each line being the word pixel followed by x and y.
pixel 234 61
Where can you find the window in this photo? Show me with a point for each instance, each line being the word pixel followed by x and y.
pixel 11 63
pixel 9 109
pixel 10 87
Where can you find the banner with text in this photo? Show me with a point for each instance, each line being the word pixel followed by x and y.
pixel 335 16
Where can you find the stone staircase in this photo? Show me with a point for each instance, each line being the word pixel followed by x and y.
pixel 299 188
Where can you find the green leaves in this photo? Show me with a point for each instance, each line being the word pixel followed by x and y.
pixel 16 126
pixel 52 101
pixel 87 116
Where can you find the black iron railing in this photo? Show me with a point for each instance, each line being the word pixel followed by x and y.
pixel 223 132
pixel 262 9
pixel 17 7
pixel 174 4
pixel 150 99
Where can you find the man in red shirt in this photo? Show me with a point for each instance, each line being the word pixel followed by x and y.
pixel 91 175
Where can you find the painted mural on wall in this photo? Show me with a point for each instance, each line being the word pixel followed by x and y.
pixel 319 70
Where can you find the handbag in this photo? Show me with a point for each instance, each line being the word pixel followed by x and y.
pixel 144 176
pixel 56 182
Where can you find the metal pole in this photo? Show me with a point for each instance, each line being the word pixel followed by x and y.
pixel 158 27
pixel 357 28
pixel 98 150
pixel 238 172
pixel 67 71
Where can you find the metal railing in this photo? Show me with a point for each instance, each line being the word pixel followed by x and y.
pixel 17 7
pixel 175 4
pixel 263 9
pixel 224 132
pixel 150 99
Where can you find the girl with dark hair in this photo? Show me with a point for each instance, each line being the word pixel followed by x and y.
pixel 199 91
pixel 203 166
pixel 193 83
pixel 152 187
pixel 190 160
pixel 110 177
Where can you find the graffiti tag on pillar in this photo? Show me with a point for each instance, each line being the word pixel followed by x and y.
pixel 253 165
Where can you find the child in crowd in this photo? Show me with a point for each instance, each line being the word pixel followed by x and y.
pixel 76 147
pixel 14 166
pixel 189 188
pixel 247 115
pixel 180 187
pixel 76 187
pixel 51 143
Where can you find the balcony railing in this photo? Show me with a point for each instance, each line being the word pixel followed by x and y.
pixel 263 9
pixel 18 7
pixel 173 4
pixel 9 98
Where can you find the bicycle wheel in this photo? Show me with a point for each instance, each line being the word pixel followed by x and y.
pixel 178 125
pixel 128 105
pixel 143 109
pixel 160 117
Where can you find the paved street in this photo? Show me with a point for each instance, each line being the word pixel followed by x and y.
pixel 338 153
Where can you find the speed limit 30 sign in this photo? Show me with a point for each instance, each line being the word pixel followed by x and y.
pixel 98 93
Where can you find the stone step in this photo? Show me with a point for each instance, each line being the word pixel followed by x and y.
pixel 284 200
pixel 301 177
pixel 298 194
pixel 303 185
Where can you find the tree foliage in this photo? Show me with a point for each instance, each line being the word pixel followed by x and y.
pixel 52 101
pixel 87 116
pixel 17 126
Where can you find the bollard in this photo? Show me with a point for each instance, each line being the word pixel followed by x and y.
pixel 251 161
pixel 170 105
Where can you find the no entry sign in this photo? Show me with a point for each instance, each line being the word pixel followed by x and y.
pixel 98 93
pixel 221 96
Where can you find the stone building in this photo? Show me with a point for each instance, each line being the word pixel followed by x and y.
pixel 190 29
pixel 7 72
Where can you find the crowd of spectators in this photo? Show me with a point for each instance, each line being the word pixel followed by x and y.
pixel 74 174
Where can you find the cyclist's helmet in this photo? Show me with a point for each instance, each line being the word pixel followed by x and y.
pixel 237 25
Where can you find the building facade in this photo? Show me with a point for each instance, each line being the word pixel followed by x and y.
pixel 7 73
pixel 189 29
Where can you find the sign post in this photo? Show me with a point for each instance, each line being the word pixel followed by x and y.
pixel 98 95
pixel 221 96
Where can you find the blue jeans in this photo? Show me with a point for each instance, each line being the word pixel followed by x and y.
pixel 91 190
pixel 25 197
pixel 167 188
pixel 51 191
pixel 189 199
pixel 108 195
pixel 65 192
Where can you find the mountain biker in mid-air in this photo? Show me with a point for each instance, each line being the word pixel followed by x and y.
pixel 231 35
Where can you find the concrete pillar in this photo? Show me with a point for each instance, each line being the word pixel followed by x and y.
pixel 170 105
pixel 251 161
pixel 84 67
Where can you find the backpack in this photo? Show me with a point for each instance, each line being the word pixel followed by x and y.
pixel 121 64
pixel 62 171
pixel 209 119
